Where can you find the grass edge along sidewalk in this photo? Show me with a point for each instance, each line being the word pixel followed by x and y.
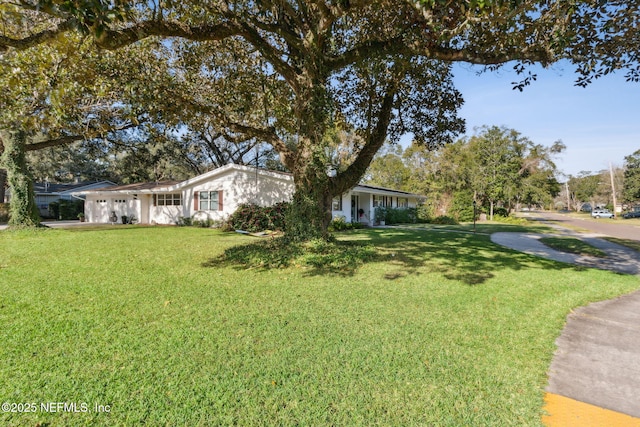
pixel 436 329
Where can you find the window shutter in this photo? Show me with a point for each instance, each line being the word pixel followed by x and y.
pixel 220 200
pixel 195 201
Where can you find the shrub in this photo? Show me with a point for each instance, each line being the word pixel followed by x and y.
pixel 184 221
pixel 252 218
pixel 401 215
pixel 424 212
pixel 226 226
pixel 340 223
pixel 379 214
pixel 444 220
pixel 462 206
pixel 204 223
pixel 503 212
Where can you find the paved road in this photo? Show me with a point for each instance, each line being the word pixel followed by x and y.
pixel 623 229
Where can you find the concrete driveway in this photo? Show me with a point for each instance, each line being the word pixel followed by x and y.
pixel 60 224
pixel 620 258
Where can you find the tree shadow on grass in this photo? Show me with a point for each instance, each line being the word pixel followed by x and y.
pixel 317 257
pixel 469 258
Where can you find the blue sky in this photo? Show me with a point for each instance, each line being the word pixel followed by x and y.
pixel 598 124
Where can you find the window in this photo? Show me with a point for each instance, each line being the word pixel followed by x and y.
pixel 210 200
pixel 403 202
pixel 383 201
pixel 336 205
pixel 173 199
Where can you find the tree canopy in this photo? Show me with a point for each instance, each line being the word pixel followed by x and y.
pixel 291 73
pixel 631 190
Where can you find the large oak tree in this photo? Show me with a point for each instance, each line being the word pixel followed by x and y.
pixel 374 68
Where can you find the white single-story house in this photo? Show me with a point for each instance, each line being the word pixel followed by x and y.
pixel 216 194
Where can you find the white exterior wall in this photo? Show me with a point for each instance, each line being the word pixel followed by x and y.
pixel 262 190
pixel 346 208
pixel 163 214
pixel 239 187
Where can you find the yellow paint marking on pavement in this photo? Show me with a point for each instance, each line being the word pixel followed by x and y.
pixel 566 412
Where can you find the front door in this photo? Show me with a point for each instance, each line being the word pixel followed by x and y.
pixel 355 202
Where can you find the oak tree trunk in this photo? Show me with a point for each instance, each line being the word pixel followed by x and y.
pixel 309 213
pixel 23 209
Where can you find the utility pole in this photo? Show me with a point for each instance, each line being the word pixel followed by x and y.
pixel 566 186
pixel 613 188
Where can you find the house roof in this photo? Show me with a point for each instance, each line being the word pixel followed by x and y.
pixel 143 186
pixel 388 191
pixel 173 186
pixel 44 188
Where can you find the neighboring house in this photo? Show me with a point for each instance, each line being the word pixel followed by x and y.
pixel 217 194
pixel 46 193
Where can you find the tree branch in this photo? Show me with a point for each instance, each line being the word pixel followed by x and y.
pixel 53 142
pixel 397 45
pixel 37 38
pixel 272 55
pixel 343 181
pixel 69 139
pixel 268 135
pixel 113 39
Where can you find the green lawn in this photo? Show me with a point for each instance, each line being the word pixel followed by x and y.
pixel 573 245
pixel 439 328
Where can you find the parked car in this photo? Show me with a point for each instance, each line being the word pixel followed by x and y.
pixel 632 214
pixel 602 213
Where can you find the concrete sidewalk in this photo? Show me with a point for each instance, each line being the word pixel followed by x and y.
pixel 620 258
pixel 594 377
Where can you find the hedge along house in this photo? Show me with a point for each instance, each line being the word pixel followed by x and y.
pixel 216 194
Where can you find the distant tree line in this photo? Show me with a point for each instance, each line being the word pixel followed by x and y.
pixel 595 189
pixel 497 167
